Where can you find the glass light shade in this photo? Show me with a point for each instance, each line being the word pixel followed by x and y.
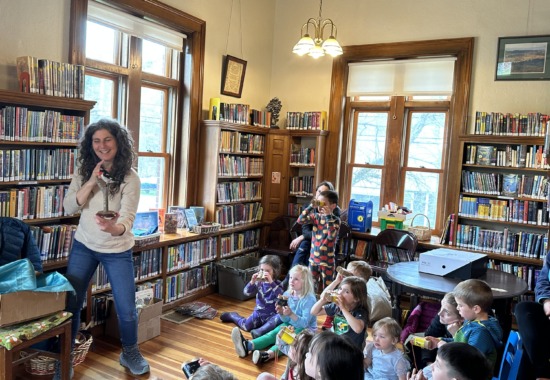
pixel 332 47
pixel 316 52
pixel 304 45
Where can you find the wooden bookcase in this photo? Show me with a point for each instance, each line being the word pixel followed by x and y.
pixel 307 158
pixel 38 156
pixel 510 227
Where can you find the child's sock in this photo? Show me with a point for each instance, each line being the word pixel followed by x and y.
pixel 250 345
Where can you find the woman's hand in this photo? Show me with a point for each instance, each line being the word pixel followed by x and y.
pixel 109 225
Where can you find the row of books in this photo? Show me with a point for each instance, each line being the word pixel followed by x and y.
pixel 239 242
pixel 147 263
pixel 302 156
pixel 307 120
pixel 510 124
pixel 231 112
pixel 99 308
pixel 294 209
pixel 236 166
pixel 155 284
pixel 304 186
pixel 54 242
pixel 191 254
pixel 504 242
pixel 526 272
pixel 33 202
pixel 391 255
pixel 188 282
pixel 234 215
pixel 181 217
pixel 260 118
pixel 237 142
pixel 511 210
pixel 44 76
pixel 516 156
pixel 36 164
pixel 505 184
pixel 23 124
pixel 239 191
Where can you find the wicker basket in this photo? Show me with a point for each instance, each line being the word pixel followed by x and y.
pixel 206 228
pixel 45 365
pixel 142 241
pixel 422 233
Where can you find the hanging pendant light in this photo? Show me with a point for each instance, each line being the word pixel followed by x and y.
pixel 315 46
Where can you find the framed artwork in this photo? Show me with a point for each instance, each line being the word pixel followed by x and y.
pixel 523 58
pixel 233 76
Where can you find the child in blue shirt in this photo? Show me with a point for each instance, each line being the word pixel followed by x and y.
pixel 267 287
pixel 300 298
pixel 474 299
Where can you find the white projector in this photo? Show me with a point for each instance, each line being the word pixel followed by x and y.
pixel 453 263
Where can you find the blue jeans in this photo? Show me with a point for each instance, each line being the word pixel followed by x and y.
pixel 120 270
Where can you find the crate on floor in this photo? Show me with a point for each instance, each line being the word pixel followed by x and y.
pixel 235 273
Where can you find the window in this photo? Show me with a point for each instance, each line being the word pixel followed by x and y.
pixel 144 70
pixel 394 143
pixel 398 158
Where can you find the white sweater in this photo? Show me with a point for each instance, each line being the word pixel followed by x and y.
pixel 125 202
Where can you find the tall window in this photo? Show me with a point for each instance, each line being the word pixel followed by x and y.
pixel 127 74
pixel 397 152
pixel 394 140
pixel 143 67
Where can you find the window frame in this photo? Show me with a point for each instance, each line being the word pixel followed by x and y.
pixel 402 108
pixel 340 106
pixel 190 91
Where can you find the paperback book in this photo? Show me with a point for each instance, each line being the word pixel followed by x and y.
pixel 170 223
pixel 486 155
pixel 510 184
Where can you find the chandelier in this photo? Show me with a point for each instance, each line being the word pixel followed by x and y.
pixel 315 46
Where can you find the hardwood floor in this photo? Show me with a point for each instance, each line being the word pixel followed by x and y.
pixel 178 343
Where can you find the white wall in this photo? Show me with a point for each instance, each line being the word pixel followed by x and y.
pixel 40 28
pixel 304 84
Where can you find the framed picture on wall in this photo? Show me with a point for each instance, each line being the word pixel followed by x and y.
pixel 523 58
pixel 233 71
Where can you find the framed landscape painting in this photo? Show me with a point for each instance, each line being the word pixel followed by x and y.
pixel 523 58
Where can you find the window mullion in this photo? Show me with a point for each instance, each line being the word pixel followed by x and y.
pixel 392 176
pixel 134 89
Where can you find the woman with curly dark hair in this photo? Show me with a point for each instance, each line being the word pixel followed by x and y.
pixel 105 161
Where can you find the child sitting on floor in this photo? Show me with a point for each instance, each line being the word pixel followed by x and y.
pixel 383 360
pixel 474 299
pixel 348 307
pixel 267 286
pixel 357 268
pixel 293 308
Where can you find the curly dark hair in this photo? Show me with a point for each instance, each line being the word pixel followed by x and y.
pixel 125 156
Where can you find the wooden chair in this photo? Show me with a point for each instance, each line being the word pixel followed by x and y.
pixel 342 255
pixel 392 246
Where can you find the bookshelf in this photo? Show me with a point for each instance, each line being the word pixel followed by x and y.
pixel 307 158
pixel 502 208
pixel 38 140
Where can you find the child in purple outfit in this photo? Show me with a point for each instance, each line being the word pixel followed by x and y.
pixel 267 287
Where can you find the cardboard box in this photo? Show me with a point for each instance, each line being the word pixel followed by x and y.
pixel 24 306
pixel 235 273
pixel 452 263
pixel 148 321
